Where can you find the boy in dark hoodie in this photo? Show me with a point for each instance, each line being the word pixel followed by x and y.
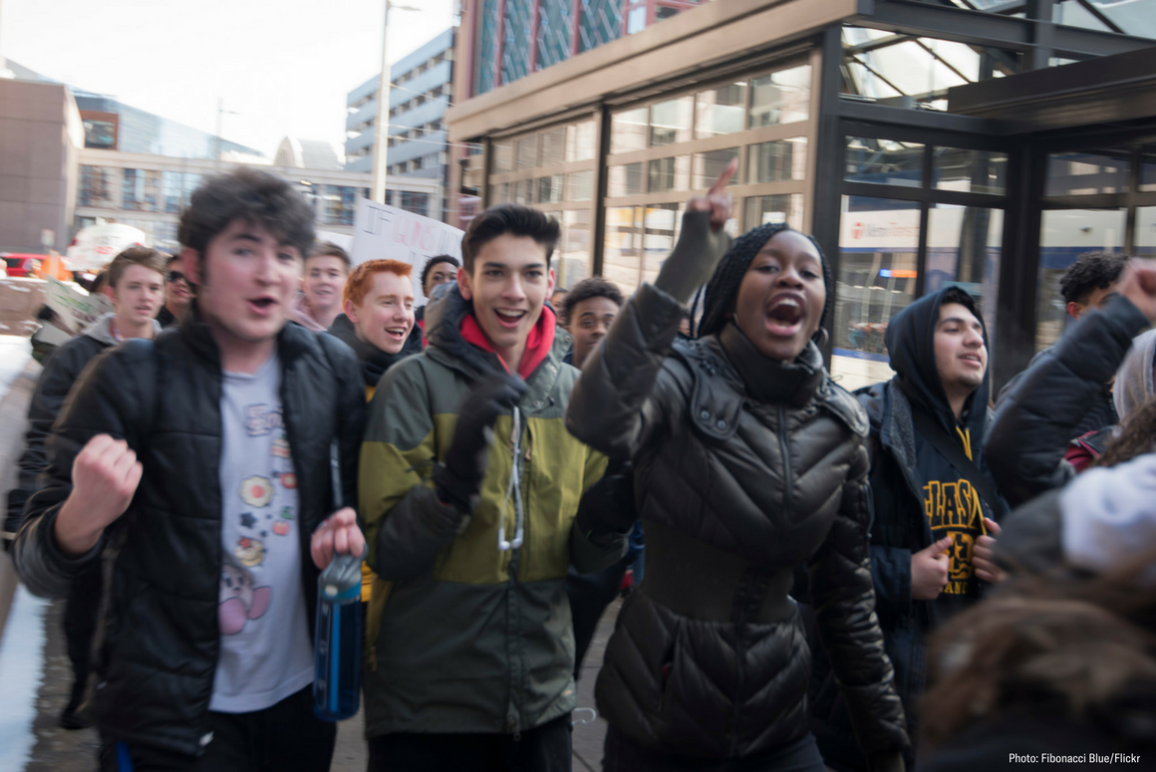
pixel 935 502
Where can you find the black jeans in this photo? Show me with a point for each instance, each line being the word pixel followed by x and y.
pixel 286 736
pixel 623 755
pixel 545 748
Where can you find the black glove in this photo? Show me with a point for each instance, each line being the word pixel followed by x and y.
pixel 607 507
pixel 460 478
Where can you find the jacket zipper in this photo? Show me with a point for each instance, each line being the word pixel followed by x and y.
pixel 786 459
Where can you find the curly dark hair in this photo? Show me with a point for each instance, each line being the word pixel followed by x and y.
pixel 253 196
pixel 1091 271
pixel 515 219
pixel 594 287
pixel 436 260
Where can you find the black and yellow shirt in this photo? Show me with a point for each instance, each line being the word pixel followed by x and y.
pixel 953 508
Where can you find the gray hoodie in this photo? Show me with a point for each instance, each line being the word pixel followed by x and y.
pixel 101 329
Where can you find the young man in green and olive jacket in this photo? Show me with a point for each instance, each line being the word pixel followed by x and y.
pixel 471 492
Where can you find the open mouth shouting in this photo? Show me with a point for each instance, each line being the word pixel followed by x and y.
pixel 262 305
pixel 785 313
pixel 510 318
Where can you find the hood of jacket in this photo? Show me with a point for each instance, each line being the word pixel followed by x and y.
pixel 101 329
pixel 374 361
pixel 1134 383
pixel 910 340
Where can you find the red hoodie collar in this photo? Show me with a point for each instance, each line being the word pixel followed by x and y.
pixel 538 343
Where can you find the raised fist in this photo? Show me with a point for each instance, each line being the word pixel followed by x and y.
pixel 105 476
pixel 1138 284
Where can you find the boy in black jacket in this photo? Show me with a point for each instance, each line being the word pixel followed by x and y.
pixel 199 468
pixel 934 500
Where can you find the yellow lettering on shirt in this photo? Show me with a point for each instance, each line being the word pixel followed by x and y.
pixel 953 509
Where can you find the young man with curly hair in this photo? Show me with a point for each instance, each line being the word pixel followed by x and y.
pixel 197 470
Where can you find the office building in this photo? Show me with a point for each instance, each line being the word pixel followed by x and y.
pixel 922 143
pixel 420 92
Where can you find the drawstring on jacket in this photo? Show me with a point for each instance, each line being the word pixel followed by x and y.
pixel 514 486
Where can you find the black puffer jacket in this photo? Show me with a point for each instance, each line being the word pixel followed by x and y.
pixel 745 468
pixel 60 373
pixel 158 639
pixel 1035 420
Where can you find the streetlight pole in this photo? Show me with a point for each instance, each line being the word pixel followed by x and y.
pixel 381 122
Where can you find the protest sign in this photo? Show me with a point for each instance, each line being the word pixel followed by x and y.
pixel 383 232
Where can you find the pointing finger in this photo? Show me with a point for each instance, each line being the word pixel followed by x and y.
pixel 724 179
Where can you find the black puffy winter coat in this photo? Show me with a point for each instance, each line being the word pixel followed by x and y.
pixel 158 638
pixel 60 373
pixel 745 468
pixel 1035 419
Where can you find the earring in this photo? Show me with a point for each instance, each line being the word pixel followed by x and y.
pixel 822 337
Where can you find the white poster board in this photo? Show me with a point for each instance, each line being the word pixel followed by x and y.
pixel 74 310
pixel 383 232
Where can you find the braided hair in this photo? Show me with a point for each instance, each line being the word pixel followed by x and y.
pixel 723 289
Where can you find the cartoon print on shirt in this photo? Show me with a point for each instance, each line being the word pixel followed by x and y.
pixel 256 491
pixel 288 479
pixel 260 420
pixel 251 552
pixel 240 601
pixel 281 446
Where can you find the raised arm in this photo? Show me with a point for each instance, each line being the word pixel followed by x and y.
pixel 614 407
pixel 1035 421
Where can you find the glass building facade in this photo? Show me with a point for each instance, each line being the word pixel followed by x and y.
pixel 111 125
pixel 922 145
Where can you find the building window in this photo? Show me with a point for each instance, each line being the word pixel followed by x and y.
pixel 884 162
pixel 708 166
pixel 142 190
pixel 418 203
pixel 625 180
pixel 340 204
pixel 721 111
pixel 99 186
pixel 781 97
pixel 670 121
pixel 783 159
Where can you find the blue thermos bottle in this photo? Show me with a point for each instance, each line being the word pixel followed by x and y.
pixel 337 644
pixel 337 634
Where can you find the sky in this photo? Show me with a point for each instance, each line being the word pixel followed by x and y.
pixel 284 66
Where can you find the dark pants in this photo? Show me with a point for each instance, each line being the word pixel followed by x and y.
pixel 80 613
pixel 622 755
pixel 589 595
pixel 546 748
pixel 286 736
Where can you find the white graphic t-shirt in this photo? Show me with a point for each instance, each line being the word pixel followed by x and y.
pixel 266 654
